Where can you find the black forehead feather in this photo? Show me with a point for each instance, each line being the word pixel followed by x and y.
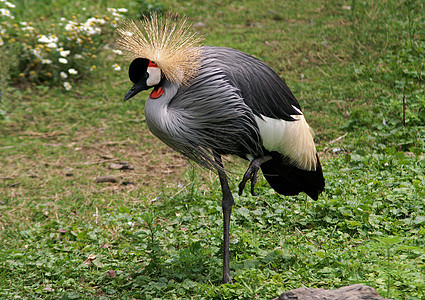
pixel 137 68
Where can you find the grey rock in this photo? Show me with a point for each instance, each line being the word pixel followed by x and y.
pixel 351 292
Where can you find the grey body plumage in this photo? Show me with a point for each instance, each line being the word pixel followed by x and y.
pixel 234 105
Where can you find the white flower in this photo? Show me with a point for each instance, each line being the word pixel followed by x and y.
pixel 52 45
pixel 6 12
pixel 48 39
pixel 1 42
pixel 71 26
pixel 63 60
pixel 119 52
pixel 46 61
pixel 92 21
pixel 123 10
pixel 53 38
pixel 64 75
pixel 29 28
pixel 72 71
pixel 116 67
pixel 65 53
pixel 78 56
pixel 36 52
pixel 90 30
pixel 10 5
pixel 67 85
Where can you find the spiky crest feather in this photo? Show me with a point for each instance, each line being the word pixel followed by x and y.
pixel 169 44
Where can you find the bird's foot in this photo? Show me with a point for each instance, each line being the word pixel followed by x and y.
pixel 251 173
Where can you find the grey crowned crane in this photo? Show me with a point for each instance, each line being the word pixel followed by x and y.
pixel 212 101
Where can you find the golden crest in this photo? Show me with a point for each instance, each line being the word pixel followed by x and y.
pixel 169 44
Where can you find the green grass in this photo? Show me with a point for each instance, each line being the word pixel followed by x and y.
pixel 157 231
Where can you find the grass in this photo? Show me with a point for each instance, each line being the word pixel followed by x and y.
pixel 156 232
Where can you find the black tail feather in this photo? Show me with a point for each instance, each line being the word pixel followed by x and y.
pixel 289 180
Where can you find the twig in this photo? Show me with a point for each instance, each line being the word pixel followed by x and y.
pixel 13 185
pixel 338 138
pixel 88 163
pixel 51 134
pixel 323 71
pixel 182 189
pixel 303 235
pixel 113 143
pixel 404 108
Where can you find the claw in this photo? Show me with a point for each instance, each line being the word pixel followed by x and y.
pixel 254 179
pixel 246 176
pixel 251 173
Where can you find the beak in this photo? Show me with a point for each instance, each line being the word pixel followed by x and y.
pixel 135 89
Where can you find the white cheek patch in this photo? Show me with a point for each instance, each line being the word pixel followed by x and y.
pixel 154 76
pixel 292 139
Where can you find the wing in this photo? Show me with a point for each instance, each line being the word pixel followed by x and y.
pixel 260 87
pixel 278 115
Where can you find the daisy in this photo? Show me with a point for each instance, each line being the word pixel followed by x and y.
pixel 67 86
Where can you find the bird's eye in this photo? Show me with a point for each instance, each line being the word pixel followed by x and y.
pixel 146 75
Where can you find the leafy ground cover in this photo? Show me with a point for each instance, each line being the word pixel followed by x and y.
pixel 358 71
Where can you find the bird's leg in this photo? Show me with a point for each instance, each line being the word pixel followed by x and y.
pixel 251 173
pixel 226 204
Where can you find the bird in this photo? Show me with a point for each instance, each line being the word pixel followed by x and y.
pixel 210 102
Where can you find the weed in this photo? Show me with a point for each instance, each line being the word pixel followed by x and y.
pixel 153 248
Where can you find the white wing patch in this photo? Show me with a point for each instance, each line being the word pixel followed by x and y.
pixel 293 139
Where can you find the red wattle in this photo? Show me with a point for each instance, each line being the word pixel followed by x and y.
pixel 156 93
